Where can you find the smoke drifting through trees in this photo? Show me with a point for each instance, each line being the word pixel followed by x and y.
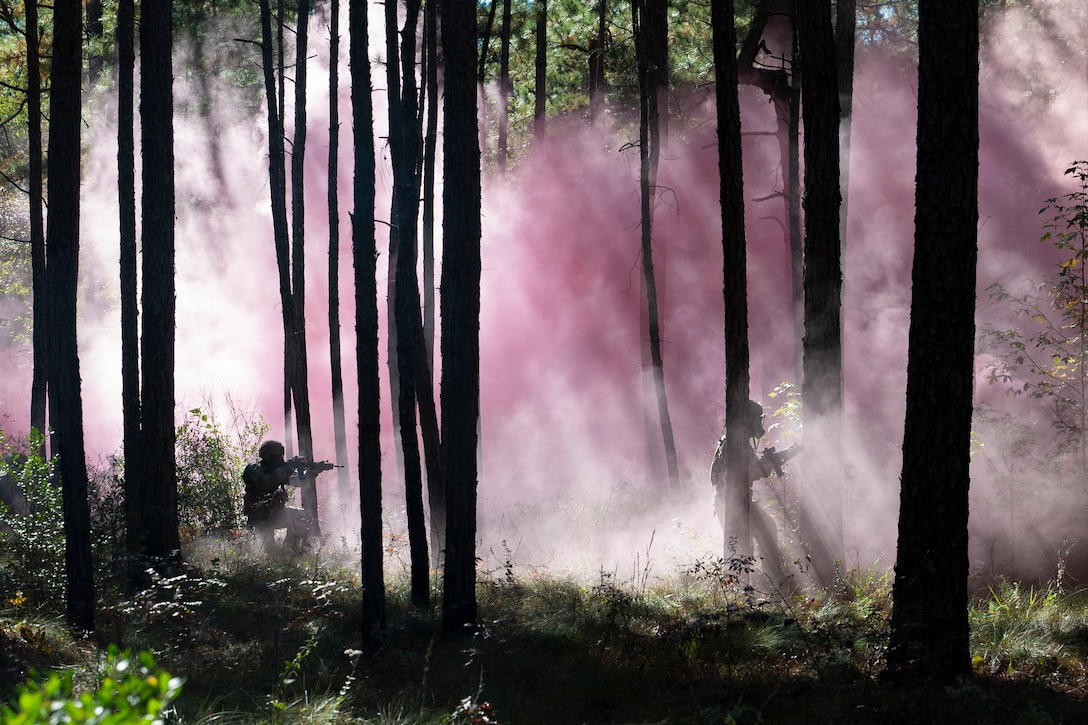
pixel 561 422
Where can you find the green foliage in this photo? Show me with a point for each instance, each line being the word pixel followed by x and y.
pixel 130 690
pixel 32 545
pixel 209 461
pixel 1045 356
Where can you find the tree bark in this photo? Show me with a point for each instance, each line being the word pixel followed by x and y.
pixel 339 423
pixel 929 629
pixel 39 301
pixel 436 492
pixel 737 498
pixel 364 254
pixel 504 87
pixel 159 482
pixel 62 264
pixel 597 64
pixel 654 33
pixel 460 302
pixel 822 349
pixel 300 383
pixel 845 33
pixel 130 343
pixel 405 148
pixel 392 84
pixel 540 103
pixel 649 154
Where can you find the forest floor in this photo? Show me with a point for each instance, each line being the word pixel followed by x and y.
pixel 260 638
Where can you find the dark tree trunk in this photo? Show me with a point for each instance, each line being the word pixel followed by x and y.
pixel 405 149
pixel 300 383
pixel 845 32
pixel 159 476
pixel 392 84
pixel 62 264
pixel 460 302
pixel 485 43
pixel 929 630
pixel 737 498
pixel 540 104
pixel 436 492
pixel 504 87
pixel 339 423
pixel 597 65
pixel 649 154
pixel 822 350
pixel 791 144
pixel 130 343
pixel 655 35
pixel 417 347
pixel 39 301
pixel 277 172
pixel 365 259
pixel 481 73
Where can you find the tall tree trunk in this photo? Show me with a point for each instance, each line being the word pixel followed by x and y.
pixel 460 301
pixel 277 186
pixel 392 84
pixel 737 498
pixel 159 484
pixel 62 264
pixel 654 27
pixel 481 74
pixel 485 43
pixel 404 146
pixel 845 32
pixel 822 352
pixel 649 154
pixel 540 104
pixel 300 383
pixel 929 629
pixel 413 323
pixel 792 131
pixel 339 424
pixel 39 300
pixel 365 261
pixel 130 343
pixel 504 87
pixel 436 492
pixel 597 65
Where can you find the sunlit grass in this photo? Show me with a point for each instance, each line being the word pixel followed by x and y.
pixel 1031 633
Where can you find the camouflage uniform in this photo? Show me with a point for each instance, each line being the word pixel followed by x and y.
pixel 266 495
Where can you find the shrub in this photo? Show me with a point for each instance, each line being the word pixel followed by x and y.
pixel 129 691
pixel 32 545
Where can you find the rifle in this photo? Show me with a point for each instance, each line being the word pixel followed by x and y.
pixel 774 459
pixel 301 465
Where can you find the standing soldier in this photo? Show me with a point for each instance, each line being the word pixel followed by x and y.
pixel 760 466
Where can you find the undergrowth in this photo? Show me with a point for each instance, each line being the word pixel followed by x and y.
pixel 257 638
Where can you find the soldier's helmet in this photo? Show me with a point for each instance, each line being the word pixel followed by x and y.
pixel 270 450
